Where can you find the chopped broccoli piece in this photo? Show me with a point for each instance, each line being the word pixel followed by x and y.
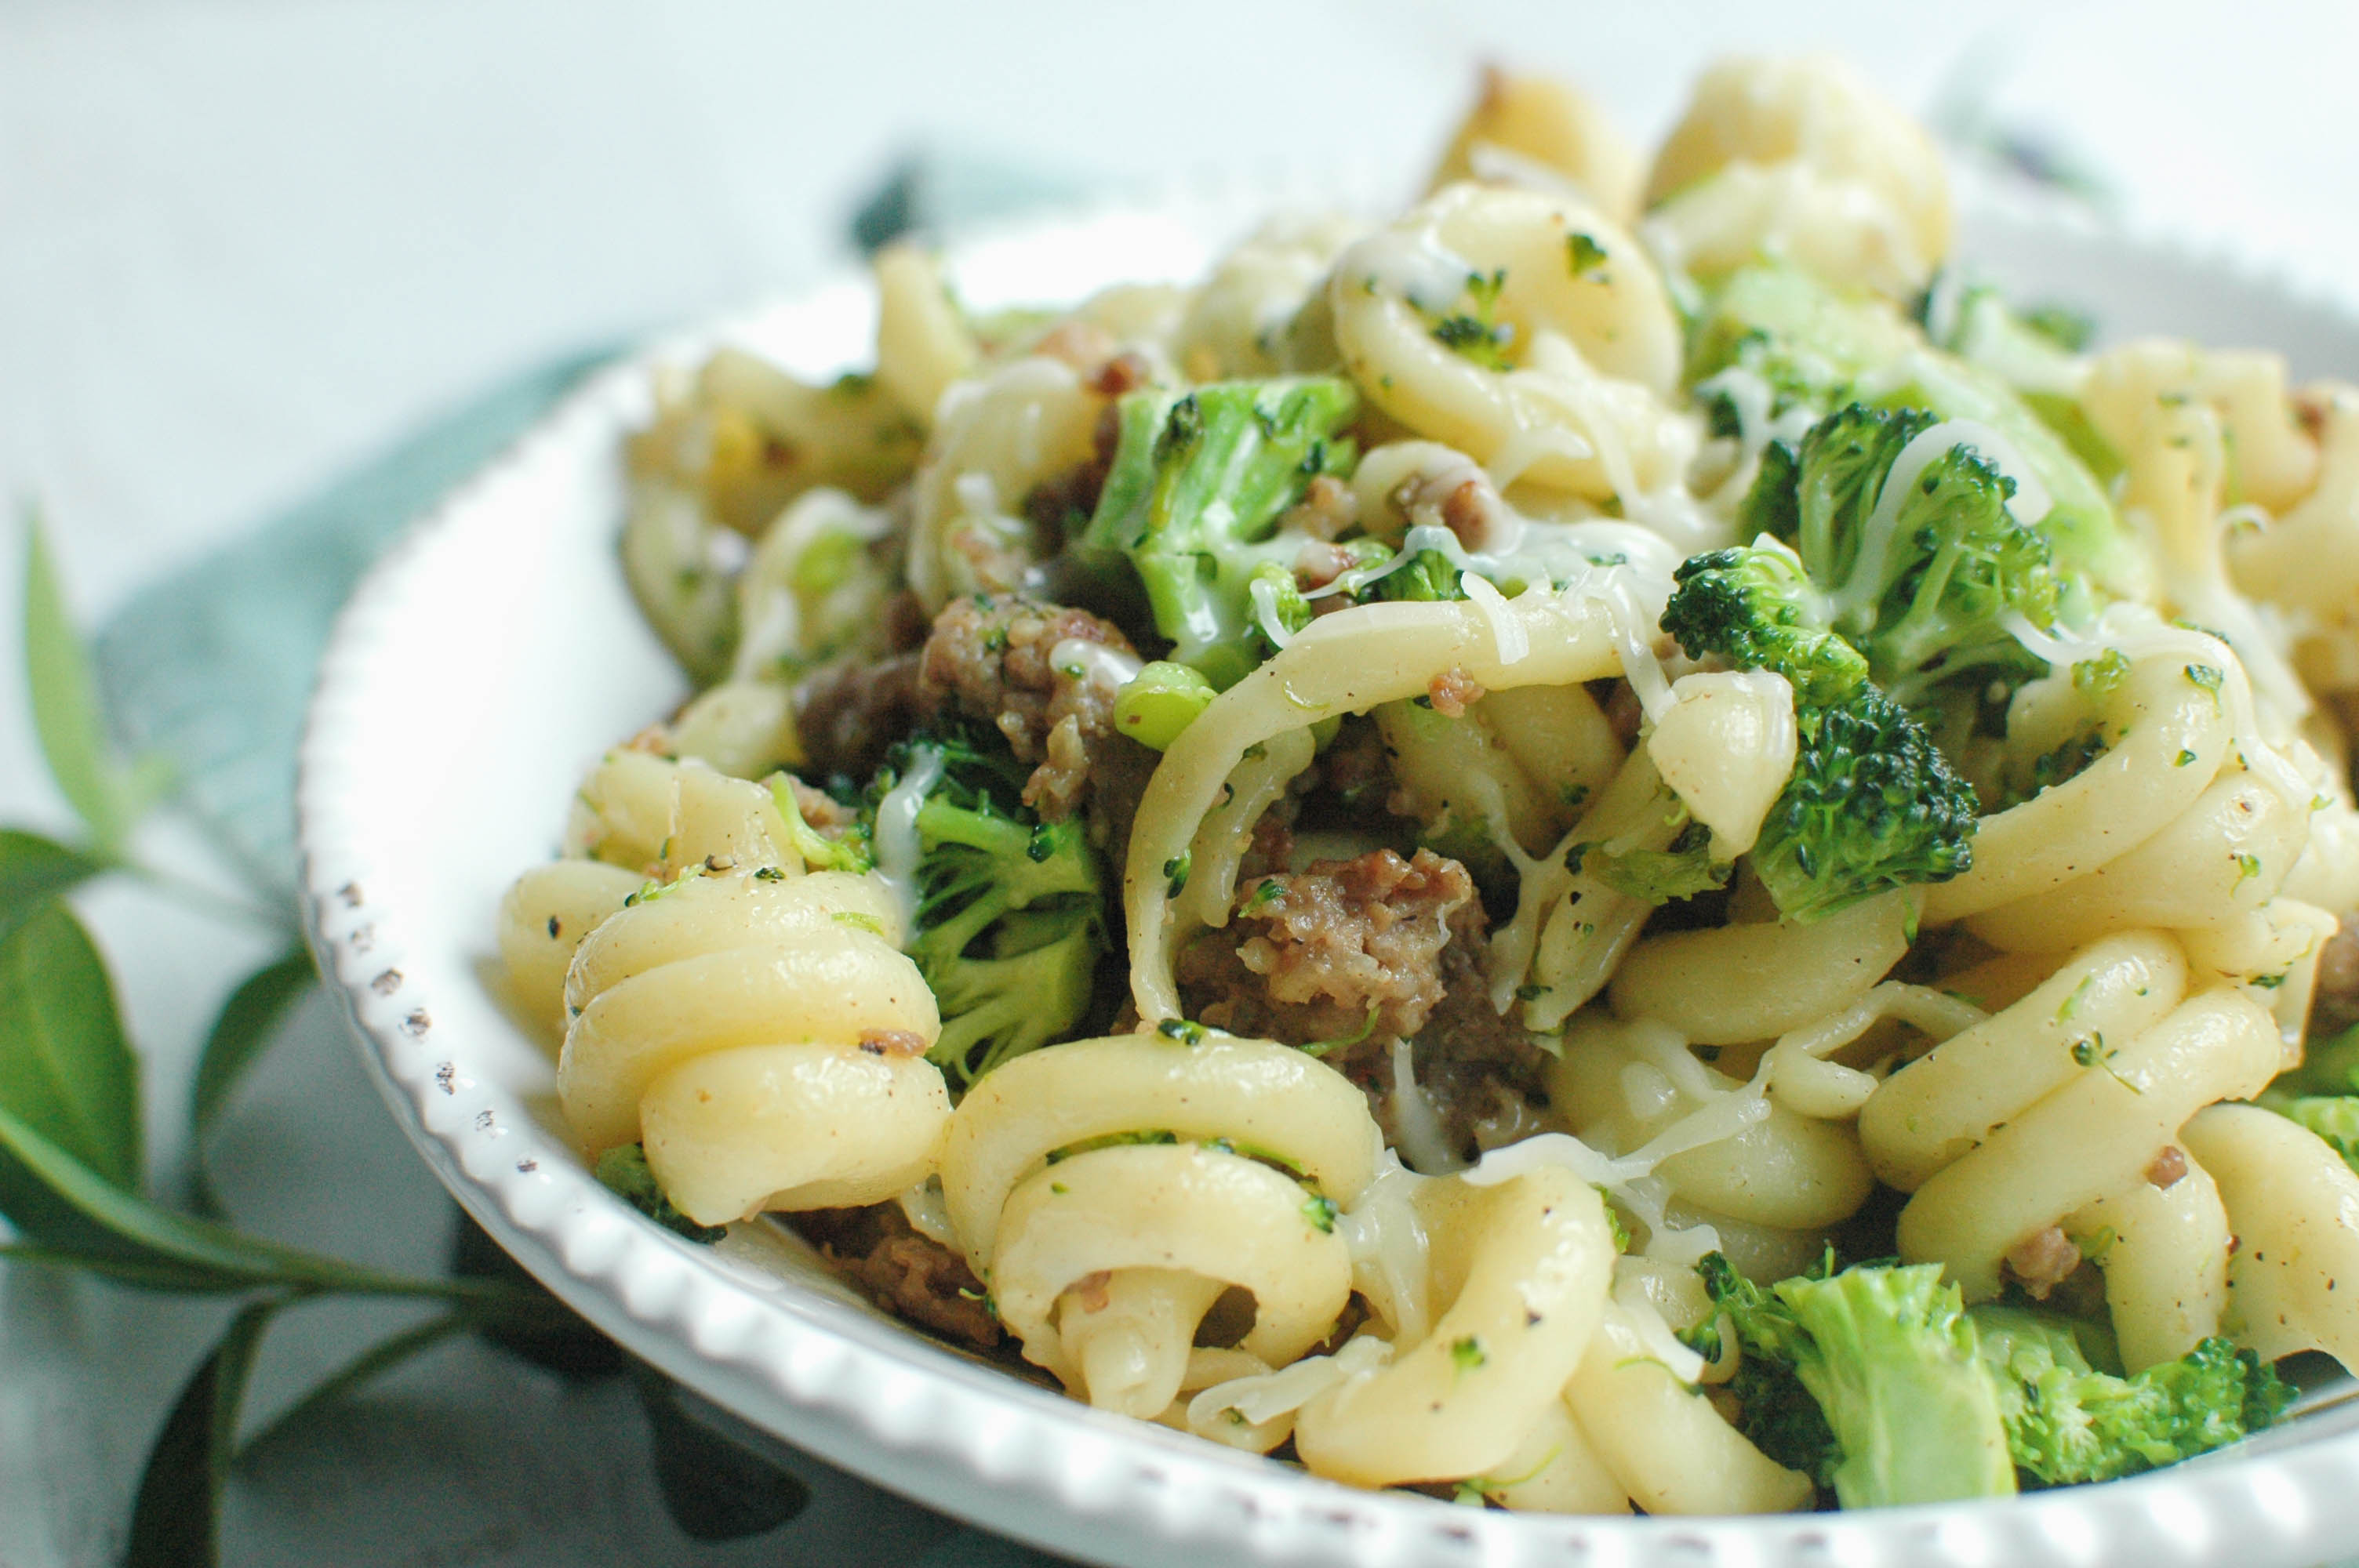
pixel 1009 928
pixel 820 853
pixel 1807 341
pixel 1755 607
pixel 1871 804
pixel 623 1171
pixel 1659 876
pixel 1428 578
pixel 2067 1423
pixel 1888 1357
pixel 1198 483
pixel 1158 703
pixel 1924 583
pixel 2334 1117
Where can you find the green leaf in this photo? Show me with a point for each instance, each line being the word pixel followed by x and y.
pixel 133 1270
pixel 34 869
pixel 363 1369
pixel 65 1071
pixel 557 1338
pixel 125 1229
pixel 713 1487
pixel 248 1021
pixel 175 1523
pixel 65 710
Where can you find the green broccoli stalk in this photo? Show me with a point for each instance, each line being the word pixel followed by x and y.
pixel 1924 583
pixel 1009 928
pixel 1872 804
pixel 1197 485
pixel 1889 1357
pixel 2067 1423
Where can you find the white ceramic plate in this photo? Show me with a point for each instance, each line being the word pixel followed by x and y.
pixel 495 654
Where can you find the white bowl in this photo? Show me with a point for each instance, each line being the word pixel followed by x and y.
pixel 495 655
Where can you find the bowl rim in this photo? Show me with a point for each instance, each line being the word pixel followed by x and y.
pixel 967 1439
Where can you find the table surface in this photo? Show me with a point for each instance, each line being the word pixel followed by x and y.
pixel 248 242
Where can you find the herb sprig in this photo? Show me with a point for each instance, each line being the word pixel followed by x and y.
pixel 76 1190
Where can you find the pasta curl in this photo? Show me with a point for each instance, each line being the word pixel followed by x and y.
pixel 1590 349
pixel 1110 1191
pixel 764 1038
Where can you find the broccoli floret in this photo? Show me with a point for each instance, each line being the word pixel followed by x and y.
pixel 1888 1356
pixel 1817 348
pixel 1009 928
pixel 1871 804
pixel 1197 485
pixel 1924 583
pixel 2067 1423
pixel 1753 607
pixel 623 1171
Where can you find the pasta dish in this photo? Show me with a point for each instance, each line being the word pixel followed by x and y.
pixel 1618 844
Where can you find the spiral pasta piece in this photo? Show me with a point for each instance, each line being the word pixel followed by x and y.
pixel 1111 1190
pixel 995 437
pixel 763 1037
pixel 1108 1261
pixel 2173 734
pixel 1622 1087
pixel 1345 662
pixel 2165 1253
pixel 1531 1257
pixel 1591 350
pixel 1736 983
pixel 2294 1206
pixel 2307 558
pixel 2096 1134
pixel 1669 1450
pixel 545 915
pixel 1797 159
pixel 1530 130
pixel 2221 858
pixel 1951 1099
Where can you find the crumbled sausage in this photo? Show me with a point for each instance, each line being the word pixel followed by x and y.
pixel 1327 510
pixel 848 713
pixel 1452 692
pixel 989 659
pixel 907 1274
pixel 2043 1262
pixel 1343 949
pixel 892 1043
pixel 822 812
pixel 2165 1169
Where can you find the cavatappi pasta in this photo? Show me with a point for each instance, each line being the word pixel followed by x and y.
pixel 1571 848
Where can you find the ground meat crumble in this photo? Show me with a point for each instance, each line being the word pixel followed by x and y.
pixel 989 659
pixel 878 1250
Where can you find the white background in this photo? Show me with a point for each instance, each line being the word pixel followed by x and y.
pixel 242 245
